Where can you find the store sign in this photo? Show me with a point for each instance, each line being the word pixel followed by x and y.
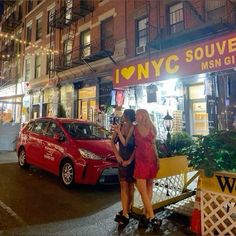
pixel 221 183
pixel 212 55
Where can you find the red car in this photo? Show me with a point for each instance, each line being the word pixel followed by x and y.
pixel 75 150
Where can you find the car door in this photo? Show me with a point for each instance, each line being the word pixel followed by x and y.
pixel 54 143
pixel 36 137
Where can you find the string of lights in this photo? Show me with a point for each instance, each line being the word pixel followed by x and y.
pixel 24 42
pixel 5 56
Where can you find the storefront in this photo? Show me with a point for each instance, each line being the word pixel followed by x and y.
pixel 50 102
pixel 36 101
pixel 193 84
pixel 67 98
pixel 11 99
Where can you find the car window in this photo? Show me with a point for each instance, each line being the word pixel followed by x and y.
pixel 54 129
pixel 29 126
pixel 40 126
pixel 86 131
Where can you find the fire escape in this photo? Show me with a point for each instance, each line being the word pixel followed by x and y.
pixel 66 20
pixel 188 22
pixel 11 19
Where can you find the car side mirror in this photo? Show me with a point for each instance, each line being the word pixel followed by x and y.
pixel 59 137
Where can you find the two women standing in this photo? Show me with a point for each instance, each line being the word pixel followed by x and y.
pixel 146 161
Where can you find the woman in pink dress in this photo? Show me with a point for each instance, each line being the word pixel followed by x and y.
pixel 146 162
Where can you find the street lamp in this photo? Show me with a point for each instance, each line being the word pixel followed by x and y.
pixel 168 125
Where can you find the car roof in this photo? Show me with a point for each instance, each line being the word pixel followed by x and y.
pixel 64 120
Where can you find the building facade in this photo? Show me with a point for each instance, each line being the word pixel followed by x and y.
pixel 97 57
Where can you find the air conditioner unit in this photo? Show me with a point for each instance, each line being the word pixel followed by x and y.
pixel 141 49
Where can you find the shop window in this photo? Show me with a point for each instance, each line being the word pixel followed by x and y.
pixel 141 35
pixel 37 66
pixel 50 20
pixel 28 34
pixel 85 44
pixel 176 18
pixel 107 34
pixel 29 6
pixel 39 28
pixel 27 69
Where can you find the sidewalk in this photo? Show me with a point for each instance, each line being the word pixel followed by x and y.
pixel 8 157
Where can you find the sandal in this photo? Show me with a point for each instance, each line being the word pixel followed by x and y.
pixel 118 216
pixel 123 221
pixel 143 222
pixel 155 224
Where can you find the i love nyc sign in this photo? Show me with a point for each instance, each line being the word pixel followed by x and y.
pixel 212 55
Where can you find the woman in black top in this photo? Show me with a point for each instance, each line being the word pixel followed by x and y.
pixel 123 154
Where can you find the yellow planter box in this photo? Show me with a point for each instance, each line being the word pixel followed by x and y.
pixel 221 182
pixel 170 185
pixel 218 204
pixel 170 166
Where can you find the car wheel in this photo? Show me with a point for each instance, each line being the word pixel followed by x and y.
pixel 22 159
pixel 67 173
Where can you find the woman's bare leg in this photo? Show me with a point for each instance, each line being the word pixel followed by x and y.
pixel 124 195
pixel 142 188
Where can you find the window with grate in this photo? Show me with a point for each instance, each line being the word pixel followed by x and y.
pixel 141 35
pixel 176 18
pixel 28 34
pixel 51 13
pixel 29 6
pixel 216 9
pixel 39 28
pixel 27 69
pixel 85 43
pixel 107 42
pixel 67 52
pixel 37 72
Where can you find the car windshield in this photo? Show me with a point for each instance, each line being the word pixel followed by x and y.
pixel 86 131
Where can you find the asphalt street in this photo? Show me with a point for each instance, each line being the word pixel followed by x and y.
pixel 96 219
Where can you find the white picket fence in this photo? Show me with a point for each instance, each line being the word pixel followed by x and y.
pixel 8 136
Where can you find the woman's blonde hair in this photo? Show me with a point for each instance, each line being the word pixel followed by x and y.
pixel 146 120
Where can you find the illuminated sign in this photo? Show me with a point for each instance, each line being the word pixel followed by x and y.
pixel 212 55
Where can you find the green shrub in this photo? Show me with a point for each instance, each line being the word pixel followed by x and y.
pixel 214 152
pixel 179 141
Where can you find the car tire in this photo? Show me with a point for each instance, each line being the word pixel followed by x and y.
pixel 22 159
pixel 67 173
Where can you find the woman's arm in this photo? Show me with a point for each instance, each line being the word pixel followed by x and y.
pixel 121 137
pixel 127 162
pixel 155 148
pixel 114 148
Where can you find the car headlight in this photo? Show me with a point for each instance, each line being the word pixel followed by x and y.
pixel 89 155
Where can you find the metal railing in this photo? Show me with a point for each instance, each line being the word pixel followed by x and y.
pixel 66 16
pixel 194 17
pixel 84 54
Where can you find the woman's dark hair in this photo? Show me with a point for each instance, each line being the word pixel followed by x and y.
pixel 130 114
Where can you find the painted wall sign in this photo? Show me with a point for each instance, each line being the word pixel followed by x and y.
pixel 212 55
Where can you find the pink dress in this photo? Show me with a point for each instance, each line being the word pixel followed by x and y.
pixel 145 156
